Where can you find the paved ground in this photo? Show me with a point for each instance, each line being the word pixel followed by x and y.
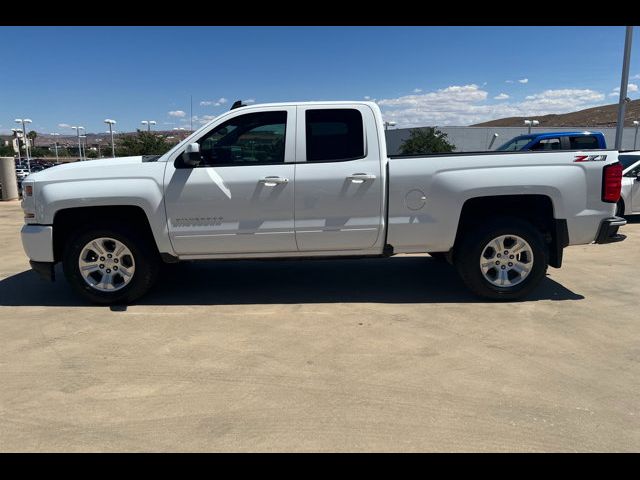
pixel 365 355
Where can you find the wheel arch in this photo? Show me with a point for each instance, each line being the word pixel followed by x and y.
pixel 66 222
pixel 536 209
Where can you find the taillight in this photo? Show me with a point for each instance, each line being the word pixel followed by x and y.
pixel 611 182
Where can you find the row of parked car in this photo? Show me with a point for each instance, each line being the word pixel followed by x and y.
pixel 22 169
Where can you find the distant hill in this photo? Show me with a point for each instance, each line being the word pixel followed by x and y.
pixel 604 116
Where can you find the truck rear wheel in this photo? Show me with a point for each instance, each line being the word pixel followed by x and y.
pixel 110 264
pixel 504 259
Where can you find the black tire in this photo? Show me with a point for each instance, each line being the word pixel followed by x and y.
pixel 147 263
pixel 620 208
pixel 470 249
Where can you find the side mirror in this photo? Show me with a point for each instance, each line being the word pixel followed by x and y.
pixel 191 156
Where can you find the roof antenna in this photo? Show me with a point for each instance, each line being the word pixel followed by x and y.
pixel 237 104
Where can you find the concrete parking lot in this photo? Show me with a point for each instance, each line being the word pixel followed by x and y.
pixel 352 355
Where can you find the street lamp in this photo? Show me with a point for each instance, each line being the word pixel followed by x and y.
pixel 55 140
pixel 111 123
pixel 530 123
pixel 26 142
pixel 389 124
pixel 148 123
pixel 83 138
pixel 636 124
pixel 16 131
pixel 77 129
pixel 493 139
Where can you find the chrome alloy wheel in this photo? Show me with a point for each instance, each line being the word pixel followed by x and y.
pixel 106 264
pixel 506 260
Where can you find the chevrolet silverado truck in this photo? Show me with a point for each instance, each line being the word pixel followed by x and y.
pixel 314 180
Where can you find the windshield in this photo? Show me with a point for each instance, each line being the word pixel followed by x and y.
pixel 628 160
pixel 514 144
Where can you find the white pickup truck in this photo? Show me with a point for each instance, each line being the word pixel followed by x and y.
pixel 315 180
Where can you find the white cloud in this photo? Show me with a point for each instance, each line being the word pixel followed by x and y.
pixel 523 80
pixel 631 88
pixel 417 90
pixel 502 96
pixel 367 97
pixel 467 104
pixel 250 100
pixel 177 113
pixel 168 123
pixel 197 119
pixel 215 103
pixel 636 77
pixel 508 81
pixel 64 125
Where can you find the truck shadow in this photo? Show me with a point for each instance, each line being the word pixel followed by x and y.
pixel 393 280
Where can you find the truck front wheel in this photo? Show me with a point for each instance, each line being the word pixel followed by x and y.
pixel 110 264
pixel 504 259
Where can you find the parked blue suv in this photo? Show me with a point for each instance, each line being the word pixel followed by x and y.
pixel 556 141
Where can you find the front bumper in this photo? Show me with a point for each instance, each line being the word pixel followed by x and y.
pixel 608 232
pixel 37 241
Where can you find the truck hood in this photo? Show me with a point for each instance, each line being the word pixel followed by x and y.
pixel 92 169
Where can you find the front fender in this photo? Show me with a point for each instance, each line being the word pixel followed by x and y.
pixel 143 193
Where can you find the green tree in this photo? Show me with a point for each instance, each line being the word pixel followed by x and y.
pixel 7 151
pixel 32 135
pixel 92 153
pixel 39 152
pixel 426 140
pixel 142 143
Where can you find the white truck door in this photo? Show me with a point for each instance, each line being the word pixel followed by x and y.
pixel 338 179
pixel 239 199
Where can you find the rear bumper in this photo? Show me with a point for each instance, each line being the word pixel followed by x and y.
pixel 608 232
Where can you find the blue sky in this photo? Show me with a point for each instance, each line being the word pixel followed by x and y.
pixel 418 75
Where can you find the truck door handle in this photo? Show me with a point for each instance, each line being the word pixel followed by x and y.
pixel 273 181
pixel 361 177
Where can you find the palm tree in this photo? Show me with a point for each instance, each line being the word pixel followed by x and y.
pixel 32 135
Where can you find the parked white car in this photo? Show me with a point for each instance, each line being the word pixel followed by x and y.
pixel 314 180
pixel 21 173
pixel 629 203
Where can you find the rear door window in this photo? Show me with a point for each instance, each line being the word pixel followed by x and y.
pixel 334 135
pixel 583 142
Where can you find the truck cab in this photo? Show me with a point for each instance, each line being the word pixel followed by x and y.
pixel 555 141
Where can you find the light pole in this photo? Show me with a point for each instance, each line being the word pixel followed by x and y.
pixel 98 140
pixel 389 124
pixel 16 131
pixel 111 123
pixel 493 139
pixel 530 123
pixel 636 124
pixel 83 138
pixel 624 82
pixel 148 123
pixel 77 129
pixel 26 141
pixel 55 140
